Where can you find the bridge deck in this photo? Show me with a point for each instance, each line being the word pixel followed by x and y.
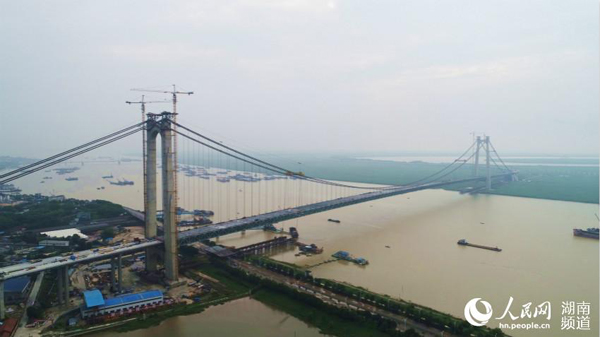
pixel 233 226
pixel 84 256
pixel 220 229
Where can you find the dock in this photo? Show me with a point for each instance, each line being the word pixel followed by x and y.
pixel 464 242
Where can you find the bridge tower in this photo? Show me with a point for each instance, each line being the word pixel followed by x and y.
pixel 477 147
pixel 152 131
pixel 479 143
pixel 161 124
pixel 488 178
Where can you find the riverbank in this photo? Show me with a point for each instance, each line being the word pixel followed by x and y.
pixel 328 318
pixel 327 322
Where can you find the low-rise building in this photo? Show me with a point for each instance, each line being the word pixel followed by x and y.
pixel 95 304
pixel 54 243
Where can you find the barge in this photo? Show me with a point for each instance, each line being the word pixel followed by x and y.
pixel 343 255
pixel 464 242
pixel 591 233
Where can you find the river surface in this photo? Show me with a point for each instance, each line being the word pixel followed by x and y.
pixel 409 240
pixel 232 319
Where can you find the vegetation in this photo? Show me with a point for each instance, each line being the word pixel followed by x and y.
pixel 107 232
pixel 418 313
pixel 48 293
pixel 329 319
pixel 568 183
pixel 578 184
pixel 48 214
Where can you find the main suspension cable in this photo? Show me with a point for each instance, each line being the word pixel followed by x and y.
pixel 59 160
pixel 40 162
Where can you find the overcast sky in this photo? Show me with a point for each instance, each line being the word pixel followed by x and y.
pixel 306 75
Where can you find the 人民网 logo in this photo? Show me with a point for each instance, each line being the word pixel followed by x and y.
pixel 474 316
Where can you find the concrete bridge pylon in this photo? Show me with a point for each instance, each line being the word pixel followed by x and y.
pixel 160 124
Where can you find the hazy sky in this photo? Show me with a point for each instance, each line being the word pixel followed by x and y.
pixel 306 75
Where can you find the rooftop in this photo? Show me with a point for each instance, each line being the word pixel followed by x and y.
pixel 128 298
pixel 93 298
pixel 65 233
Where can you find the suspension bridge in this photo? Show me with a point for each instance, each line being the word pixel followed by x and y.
pixel 244 191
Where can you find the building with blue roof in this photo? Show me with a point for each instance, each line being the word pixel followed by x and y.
pixel 16 289
pixel 93 298
pixel 96 305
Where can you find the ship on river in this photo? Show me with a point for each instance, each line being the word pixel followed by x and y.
pixel 123 182
pixel 591 233
pixel 463 242
pixel 343 255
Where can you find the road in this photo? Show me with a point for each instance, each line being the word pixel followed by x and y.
pixel 103 253
pixel 331 298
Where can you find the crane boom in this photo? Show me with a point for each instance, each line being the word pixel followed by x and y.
pixel 166 91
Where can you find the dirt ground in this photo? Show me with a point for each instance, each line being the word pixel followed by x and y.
pixel 129 234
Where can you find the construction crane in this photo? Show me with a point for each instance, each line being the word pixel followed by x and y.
pixel 174 94
pixel 142 104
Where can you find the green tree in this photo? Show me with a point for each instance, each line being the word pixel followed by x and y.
pixel 108 232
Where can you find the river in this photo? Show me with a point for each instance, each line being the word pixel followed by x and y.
pixel 409 240
pixel 232 319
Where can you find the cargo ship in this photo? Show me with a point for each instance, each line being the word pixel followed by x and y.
pixel 66 170
pixel 334 220
pixel 587 233
pixel 108 177
pixel 72 179
pixel 121 182
pixel 464 242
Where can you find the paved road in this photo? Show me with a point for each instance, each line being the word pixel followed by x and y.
pixel 85 256
pixel 331 298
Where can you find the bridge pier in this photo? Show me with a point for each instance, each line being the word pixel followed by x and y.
pixel 65 272
pixel 113 283
pixel 169 191
pixel 60 286
pixel 120 272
